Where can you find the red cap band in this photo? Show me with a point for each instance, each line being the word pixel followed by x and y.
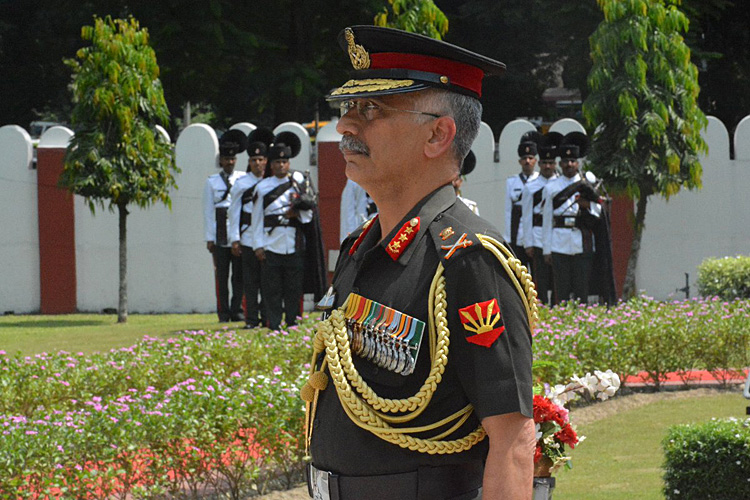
pixel 460 74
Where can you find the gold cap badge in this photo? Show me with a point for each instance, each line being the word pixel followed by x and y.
pixel 359 56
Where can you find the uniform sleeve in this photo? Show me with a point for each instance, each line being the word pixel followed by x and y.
pixel 209 213
pixel 547 222
pixel 527 217
pixel 233 213
pixel 257 223
pixel 508 209
pixel 492 352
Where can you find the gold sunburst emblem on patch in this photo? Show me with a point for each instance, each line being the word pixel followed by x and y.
pixel 359 56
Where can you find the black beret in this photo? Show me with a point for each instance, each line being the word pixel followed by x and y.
pixel 285 145
pixel 232 142
pixel 574 145
pixel 527 149
pixel 257 149
pixel 548 146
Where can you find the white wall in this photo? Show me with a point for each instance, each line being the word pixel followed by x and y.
pixel 694 225
pixel 19 235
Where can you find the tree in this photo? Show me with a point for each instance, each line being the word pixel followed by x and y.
pixel 643 105
pixel 417 16
pixel 117 157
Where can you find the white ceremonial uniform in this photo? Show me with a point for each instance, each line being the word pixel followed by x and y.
pixel 513 191
pixel 279 239
pixel 353 208
pixel 470 203
pixel 532 235
pixel 243 188
pixel 563 240
pixel 213 198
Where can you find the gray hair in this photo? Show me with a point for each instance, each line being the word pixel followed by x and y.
pixel 466 112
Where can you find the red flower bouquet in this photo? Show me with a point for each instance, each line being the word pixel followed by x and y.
pixel 553 432
pixel 553 428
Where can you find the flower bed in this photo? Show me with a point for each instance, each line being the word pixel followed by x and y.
pixel 205 410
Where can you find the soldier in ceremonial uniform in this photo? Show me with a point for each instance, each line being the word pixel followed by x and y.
pixel 278 213
pixel 531 215
pixel 568 218
pixel 356 208
pixel 425 330
pixel 240 218
pixel 216 201
pixel 527 151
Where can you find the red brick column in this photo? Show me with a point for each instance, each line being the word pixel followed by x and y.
pixel 57 252
pixel 331 179
pixel 622 237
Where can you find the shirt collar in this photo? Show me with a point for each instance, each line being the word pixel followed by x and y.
pixel 426 211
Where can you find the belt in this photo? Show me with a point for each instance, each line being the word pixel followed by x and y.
pixel 426 483
pixel 565 221
pixel 537 220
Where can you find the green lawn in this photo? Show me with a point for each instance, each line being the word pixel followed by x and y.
pixel 621 457
pixel 93 332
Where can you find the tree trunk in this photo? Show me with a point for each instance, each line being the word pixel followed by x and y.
pixel 186 115
pixel 122 307
pixel 629 287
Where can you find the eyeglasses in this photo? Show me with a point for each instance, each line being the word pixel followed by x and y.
pixel 370 110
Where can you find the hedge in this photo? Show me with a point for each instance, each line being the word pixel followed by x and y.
pixel 727 277
pixel 708 461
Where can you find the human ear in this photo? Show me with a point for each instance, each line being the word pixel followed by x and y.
pixel 443 131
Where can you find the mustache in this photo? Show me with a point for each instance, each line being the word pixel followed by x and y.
pixel 351 143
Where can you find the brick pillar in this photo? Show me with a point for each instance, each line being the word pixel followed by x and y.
pixel 331 179
pixel 57 252
pixel 622 237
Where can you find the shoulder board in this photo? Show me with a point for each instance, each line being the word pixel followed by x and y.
pixel 453 238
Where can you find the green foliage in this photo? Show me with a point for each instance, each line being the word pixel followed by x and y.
pixel 416 16
pixel 727 277
pixel 116 154
pixel 708 461
pixel 643 100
